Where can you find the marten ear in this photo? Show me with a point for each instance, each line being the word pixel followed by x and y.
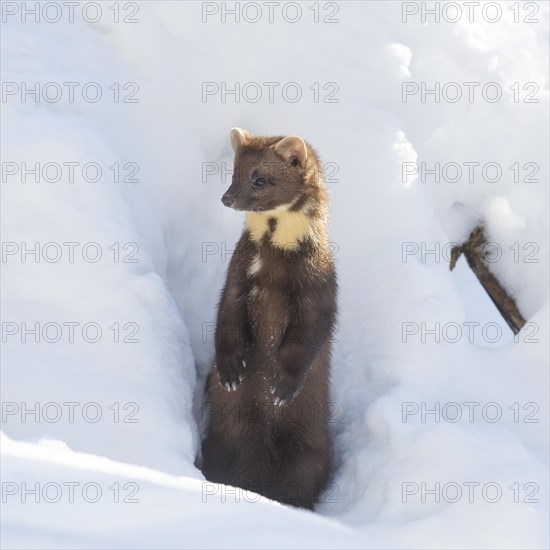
pixel 238 138
pixel 292 148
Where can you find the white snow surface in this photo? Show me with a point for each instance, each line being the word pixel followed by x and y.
pixel 140 453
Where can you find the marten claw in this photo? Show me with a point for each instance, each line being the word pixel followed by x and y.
pixel 231 373
pixel 279 401
pixel 284 393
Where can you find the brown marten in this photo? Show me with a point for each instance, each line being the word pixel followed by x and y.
pixel 268 390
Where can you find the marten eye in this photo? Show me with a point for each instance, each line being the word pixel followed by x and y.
pixel 260 182
pixel 294 162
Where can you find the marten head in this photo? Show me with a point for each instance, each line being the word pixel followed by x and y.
pixel 278 182
pixel 270 172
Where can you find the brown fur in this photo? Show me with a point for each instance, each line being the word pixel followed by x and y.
pixel 267 394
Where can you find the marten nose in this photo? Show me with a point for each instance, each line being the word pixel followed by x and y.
pixel 228 200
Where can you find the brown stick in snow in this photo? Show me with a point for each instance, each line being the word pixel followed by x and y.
pixel 474 250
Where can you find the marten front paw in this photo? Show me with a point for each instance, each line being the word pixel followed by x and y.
pixel 231 370
pixel 285 388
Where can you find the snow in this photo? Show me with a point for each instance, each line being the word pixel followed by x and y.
pixel 389 371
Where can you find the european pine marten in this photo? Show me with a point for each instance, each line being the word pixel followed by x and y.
pixel 268 390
